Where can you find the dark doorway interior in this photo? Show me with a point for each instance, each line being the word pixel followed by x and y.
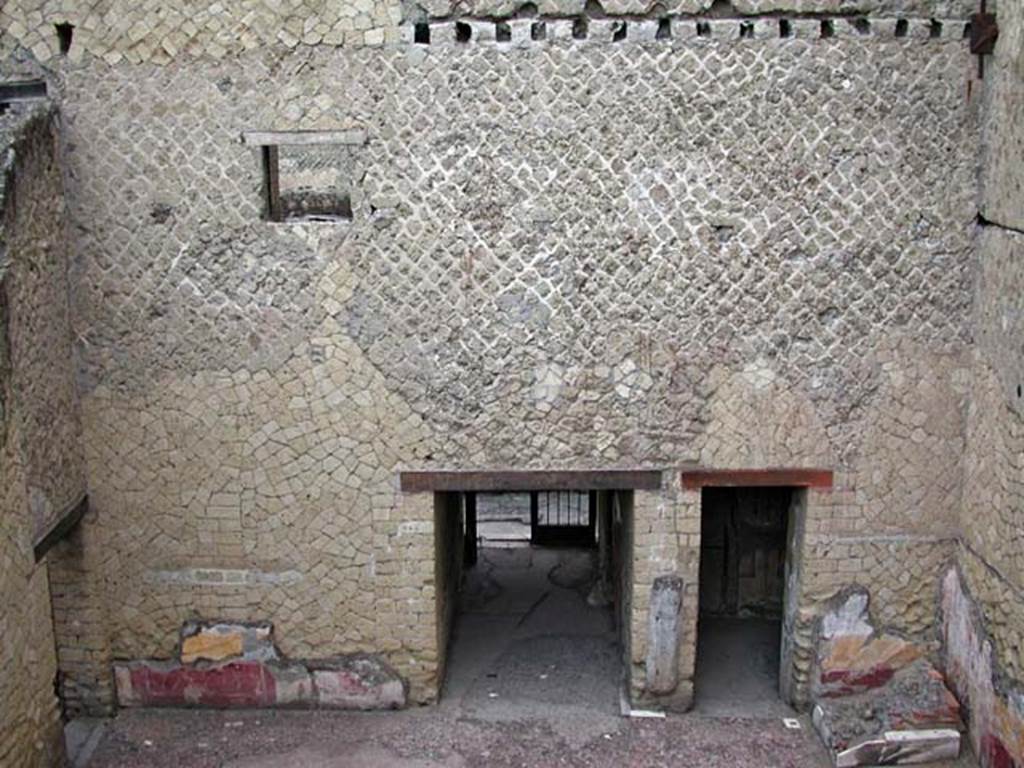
pixel 742 589
pixel 538 615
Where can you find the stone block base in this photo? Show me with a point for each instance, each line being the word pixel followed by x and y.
pixel 249 672
pixel 902 748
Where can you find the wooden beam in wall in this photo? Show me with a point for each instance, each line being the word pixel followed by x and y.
pixel 739 478
pixel 65 524
pixel 540 480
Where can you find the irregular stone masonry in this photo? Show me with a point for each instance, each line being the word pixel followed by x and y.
pixel 138 33
pixel 40 463
pixel 983 600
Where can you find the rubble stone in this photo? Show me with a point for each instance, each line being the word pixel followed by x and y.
pixel 878 701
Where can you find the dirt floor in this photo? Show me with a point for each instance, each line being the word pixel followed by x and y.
pixel 533 681
pixel 738 668
pixel 432 737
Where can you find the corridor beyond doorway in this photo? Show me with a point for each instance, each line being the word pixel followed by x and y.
pixel 526 638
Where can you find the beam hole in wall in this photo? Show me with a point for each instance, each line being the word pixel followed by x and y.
pixel 785 28
pixel 538 31
pixel 533 595
pixel 620 32
pixel 463 32
pixel 862 26
pixel 664 29
pixel 502 32
pixel 934 29
pixel 703 29
pixel 746 535
pixel 421 33
pixel 902 26
pixel 65 33
pixel 579 28
pixel 746 30
pixel 828 28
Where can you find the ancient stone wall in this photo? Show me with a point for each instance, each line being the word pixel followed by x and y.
pixel 746 249
pixel 160 33
pixel 40 469
pixel 983 599
pixel 449 538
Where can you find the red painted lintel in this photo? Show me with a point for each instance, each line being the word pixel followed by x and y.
pixel 801 478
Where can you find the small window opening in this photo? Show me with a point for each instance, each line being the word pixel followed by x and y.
pixel 306 182
pixel 421 33
pixel 828 28
pixel 22 91
pixel 703 29
pixel 785 28
pixel 538 31
pixel 746 29
pixel 620 32
pixel 463 32
pixel 579 28
pixel 664 29
pixel 502 32
pixel 901 28
pixel 65 32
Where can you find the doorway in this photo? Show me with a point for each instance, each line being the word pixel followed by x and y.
pixel 745 535
pixel 536 615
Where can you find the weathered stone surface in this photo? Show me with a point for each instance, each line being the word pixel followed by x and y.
pixel 235 684
pixel 134 33
pixel 220 641
pixel 913 699
pixel 996 716
pixel 211 647
pixel 851 658
pixel 336 355
pixel 293 685
pixel 663 642
pixel 855 663
pixel 359 682
pixel 870 688
pixel 622 262
pixel 41 467
pixel 902 748
pixel 237 665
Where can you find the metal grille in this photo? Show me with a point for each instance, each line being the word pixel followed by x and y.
pixel 562 517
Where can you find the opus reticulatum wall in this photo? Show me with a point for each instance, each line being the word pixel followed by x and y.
pixel 562 254
pixel 749 244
